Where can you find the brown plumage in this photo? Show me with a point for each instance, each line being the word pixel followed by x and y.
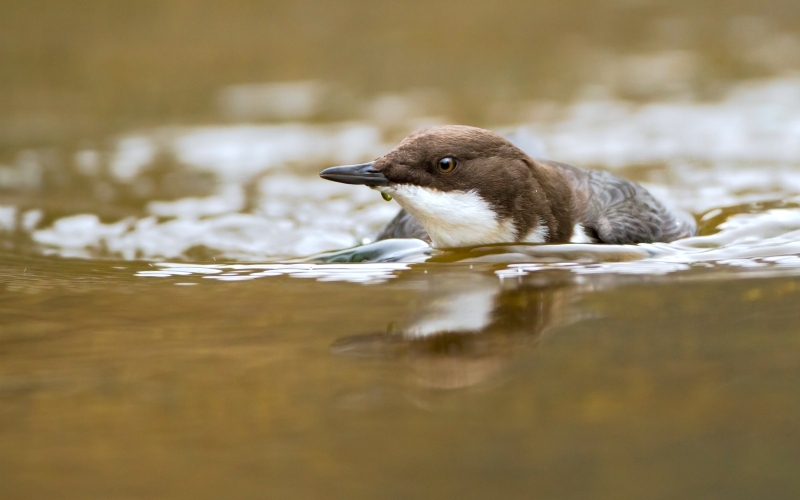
pixel 530 200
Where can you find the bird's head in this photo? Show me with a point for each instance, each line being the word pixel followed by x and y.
pixel 465 185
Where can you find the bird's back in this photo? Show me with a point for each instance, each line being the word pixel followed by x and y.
pixel 617 211
pixel 611 210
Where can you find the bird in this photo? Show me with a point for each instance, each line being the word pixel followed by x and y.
pixel 461 186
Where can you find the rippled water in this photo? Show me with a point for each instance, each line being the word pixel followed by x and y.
pixel 733 163
pixel 188 311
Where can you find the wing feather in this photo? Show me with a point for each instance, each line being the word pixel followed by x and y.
pixel 623 212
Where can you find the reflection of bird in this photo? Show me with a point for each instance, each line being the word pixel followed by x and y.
pixel 465 329
pixel 463 186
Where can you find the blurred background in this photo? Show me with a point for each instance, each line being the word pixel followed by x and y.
pixel 117 109
pixel 82 69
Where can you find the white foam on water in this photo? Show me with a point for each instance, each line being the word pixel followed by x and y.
pixel 239 153
pixel 230 199
pixel 760 240
pixel 294 216
pixel 132 154
pixel 757 122
pixel 8 218
pixel 353 273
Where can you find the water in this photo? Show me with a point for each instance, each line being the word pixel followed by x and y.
pixel 113 383
pixel 188 311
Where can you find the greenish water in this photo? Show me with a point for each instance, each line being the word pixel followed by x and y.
pixel 187 311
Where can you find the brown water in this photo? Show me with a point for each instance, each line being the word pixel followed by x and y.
pixel 178 318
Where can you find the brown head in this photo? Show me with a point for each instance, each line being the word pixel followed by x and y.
pixel 468 186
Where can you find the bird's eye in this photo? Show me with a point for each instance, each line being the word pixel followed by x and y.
pixel 447 164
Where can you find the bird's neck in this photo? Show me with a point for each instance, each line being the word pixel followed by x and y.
pixel 547 209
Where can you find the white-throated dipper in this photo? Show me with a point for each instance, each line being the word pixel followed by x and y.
pixel 465 186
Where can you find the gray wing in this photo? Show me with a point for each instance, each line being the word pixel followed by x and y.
pixel 403 226
pixel 623 212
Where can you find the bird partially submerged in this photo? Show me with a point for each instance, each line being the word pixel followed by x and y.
pixel 465 186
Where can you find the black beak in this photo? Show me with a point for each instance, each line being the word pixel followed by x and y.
pixel 356 174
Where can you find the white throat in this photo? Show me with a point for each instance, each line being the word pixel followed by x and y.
pixel 457 218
